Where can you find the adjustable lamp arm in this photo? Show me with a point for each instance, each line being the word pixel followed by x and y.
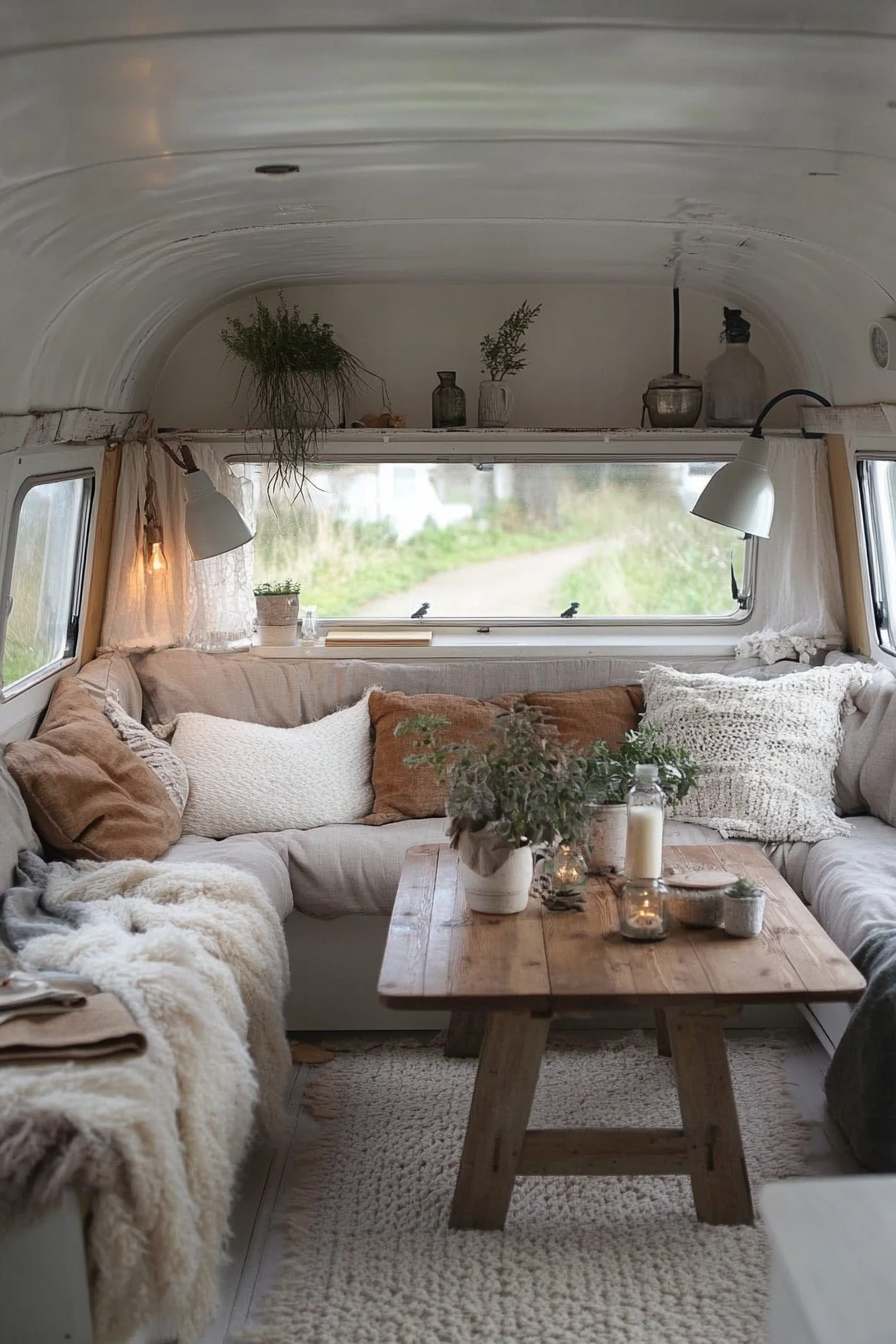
pixel 185 461
pixel 756 431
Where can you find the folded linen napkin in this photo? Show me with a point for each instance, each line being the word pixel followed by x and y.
pixel 101 1028
pixel 53 992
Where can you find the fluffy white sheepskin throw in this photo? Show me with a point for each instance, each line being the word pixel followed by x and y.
pixel 767 748
pixel 197 954
pixel 246 777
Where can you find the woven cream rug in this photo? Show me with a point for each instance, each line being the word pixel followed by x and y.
pixel 611 1260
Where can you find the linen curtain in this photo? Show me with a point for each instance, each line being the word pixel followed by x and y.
pixel 203 604
pixel 798 597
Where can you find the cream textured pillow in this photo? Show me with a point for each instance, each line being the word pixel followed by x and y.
pixel 246 777
pixel 157 754
pixel 767 748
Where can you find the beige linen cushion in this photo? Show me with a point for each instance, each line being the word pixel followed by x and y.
pixel 170 769
pixel 767 749
pixel 88 795
pixel 602 714
pixel 246 777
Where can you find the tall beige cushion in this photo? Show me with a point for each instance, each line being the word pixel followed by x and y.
pixel 16 831
pixel 288 692
pixel 113 674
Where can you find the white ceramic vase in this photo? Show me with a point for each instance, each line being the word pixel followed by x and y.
pixel 495 404
pixel 504 892
pixel 606 839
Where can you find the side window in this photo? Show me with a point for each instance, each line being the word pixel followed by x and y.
pixel 877 488
pixel 44 579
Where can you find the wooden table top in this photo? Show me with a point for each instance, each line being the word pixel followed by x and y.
pixel 441 955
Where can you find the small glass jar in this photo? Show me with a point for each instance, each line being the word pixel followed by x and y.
pixel 449 403
pixel 309 625
pixel 735 386
pixel 567 869
pixel 643 914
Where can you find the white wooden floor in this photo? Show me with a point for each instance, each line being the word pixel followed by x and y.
pixel 265 1188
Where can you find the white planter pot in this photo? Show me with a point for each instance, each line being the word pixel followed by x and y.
pixel 505 892
pixel 278 618
pixel 276 635
pixel 743 915
pixel 495 404
pixel 606 839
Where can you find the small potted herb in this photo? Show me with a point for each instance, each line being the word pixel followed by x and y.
pixel 519 789
pixel 277 607
pixel 609 774
pixel 743 909
pixel 502 357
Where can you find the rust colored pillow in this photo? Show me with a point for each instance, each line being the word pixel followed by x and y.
pixel 89 796
pixel 605 714
pixel 403 792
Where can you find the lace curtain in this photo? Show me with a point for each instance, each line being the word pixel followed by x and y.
pixel 204 604
pixel 798 596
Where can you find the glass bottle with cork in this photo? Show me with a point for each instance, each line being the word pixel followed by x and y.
pixel 644 916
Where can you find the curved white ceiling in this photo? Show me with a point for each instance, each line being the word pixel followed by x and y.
pixel 735 149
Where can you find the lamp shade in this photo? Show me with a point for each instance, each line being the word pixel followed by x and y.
pixel 213 525
pixel 741 494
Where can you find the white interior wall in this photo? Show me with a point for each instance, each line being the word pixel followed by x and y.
pixel 592 350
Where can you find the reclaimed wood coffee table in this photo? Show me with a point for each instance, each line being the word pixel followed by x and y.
pixel 521 971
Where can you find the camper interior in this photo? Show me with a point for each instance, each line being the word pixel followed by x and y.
pixel 447 672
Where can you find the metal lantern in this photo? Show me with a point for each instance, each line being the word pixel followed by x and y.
pixel 673 402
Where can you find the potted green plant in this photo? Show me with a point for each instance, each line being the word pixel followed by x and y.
pixel 743 909
pixel 519 789
pixel 502 356
pixel 300 381
pixel 609 773
pixel 277 607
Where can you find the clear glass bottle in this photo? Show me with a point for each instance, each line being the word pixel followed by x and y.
pixel 645 803
pixel 734 388
pixel 309 625
pixel 449 403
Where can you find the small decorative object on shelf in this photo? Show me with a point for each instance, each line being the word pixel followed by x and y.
pixel 735 381
pixel 644 916
pixel 570 611
pixel 743 909
pixel 695 899
pixel 277 606
pixel 420 612
pixel 502 358
pixel 309 626
pixel 610 773
pixel 449 403
pixel 673 402
pixel 568 869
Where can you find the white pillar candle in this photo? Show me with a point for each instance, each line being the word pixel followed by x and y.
pixel 644 842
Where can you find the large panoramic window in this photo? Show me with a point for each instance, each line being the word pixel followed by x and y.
pixel 507 540
pixel 877 485
pixel 43 594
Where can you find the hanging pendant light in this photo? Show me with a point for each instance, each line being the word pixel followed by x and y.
pixel 673 402
pixel 741 494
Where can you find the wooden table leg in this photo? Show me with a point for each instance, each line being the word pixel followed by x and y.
pixel 663 1044
pixel 716 1162
pixel 465 1032
pixel 502 1098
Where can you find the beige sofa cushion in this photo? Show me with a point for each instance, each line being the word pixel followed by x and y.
pixel 253 854
pixel 113 674
pixel 16 830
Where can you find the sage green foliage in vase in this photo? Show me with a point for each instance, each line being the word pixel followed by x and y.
pixel 502 357
pixel 449 402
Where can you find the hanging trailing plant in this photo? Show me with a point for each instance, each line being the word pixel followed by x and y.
pixel 296 371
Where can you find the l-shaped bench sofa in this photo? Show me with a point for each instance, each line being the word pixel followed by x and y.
pixel 335 885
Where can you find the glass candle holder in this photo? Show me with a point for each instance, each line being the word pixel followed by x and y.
pixel 309 625
pixel 567 868
pixel 643 914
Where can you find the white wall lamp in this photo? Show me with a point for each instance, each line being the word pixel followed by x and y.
pixel 212 524
pixel 741 494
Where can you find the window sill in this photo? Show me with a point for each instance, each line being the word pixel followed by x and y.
pixel 509 646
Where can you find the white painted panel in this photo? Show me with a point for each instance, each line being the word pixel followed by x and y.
pixel 44 1296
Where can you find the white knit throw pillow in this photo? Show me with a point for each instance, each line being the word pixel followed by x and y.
pixel 246 777
pixel 768 748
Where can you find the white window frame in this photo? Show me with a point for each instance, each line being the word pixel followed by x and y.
pixel 19 473
pixel 535 447
pixel 878 553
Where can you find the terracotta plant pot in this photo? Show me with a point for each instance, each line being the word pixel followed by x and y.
pixel 503 892
pixel 278 618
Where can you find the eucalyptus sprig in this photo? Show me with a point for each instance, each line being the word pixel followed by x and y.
pixel 522 782
pixel 611 770
pixel 502 354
